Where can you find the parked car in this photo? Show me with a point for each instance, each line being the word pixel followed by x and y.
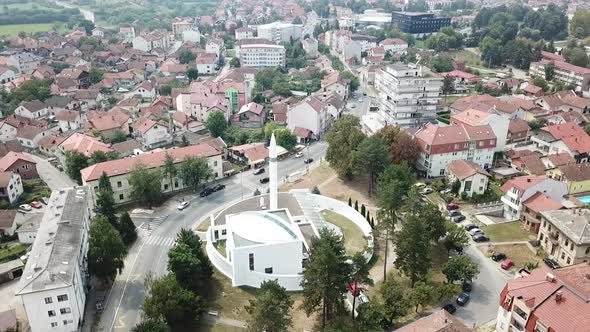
pixel 45 200
pixel 25 207
pixel 308 160
pixel 458 218
pixel 36 205
pixel 507 264
pixel 453 213
pixel 480 237
pixel 450 308
pixel 467 286
pixel 469 227
pixel 551 263
pixel 452 206
pixel 498 256
pixel 183 205
pixel 218 187
pixel 258 171
pixel 206 192
pixel 264 180
pixel 463 298
pixel 426 191
pixel 474 231
pixel 299 154
pixel 455 252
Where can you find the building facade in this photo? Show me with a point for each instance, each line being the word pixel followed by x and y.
pixel 520 189
pixel 261 55
pixel 280 32
pixel 565 73
pixel 565 235
pixel 419 23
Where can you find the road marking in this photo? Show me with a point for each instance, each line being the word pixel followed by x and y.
pixel 120 323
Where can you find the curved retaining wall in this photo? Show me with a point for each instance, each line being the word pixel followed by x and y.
pixel 221 263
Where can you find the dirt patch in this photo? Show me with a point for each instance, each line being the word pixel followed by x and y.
pixel 519 253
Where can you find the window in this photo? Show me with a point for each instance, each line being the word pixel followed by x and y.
pixel 223 232
pixel 119 184
pixel 251 261
pixel 568 260
pixel 215 163
pixel 64 311
pixel 268 270
pixel 50 300
pixel 51 313
pixel 567 242
pixel 53 324
pixel 562 255
pixel 61 298
pixel 442 171
pixel 587 250
pixel 176 184
pixel 121 196
pixel 572 246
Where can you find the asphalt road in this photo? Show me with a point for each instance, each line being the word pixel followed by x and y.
pixel 51 175
pixel 149 253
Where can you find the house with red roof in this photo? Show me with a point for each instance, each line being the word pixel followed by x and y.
pixel 490 104
pixel 532 90
pixel 575 175
pixel 546 300
pixel 251 115
pixel 68 120
pixel 530 164
pixel 565 236
pixel 532 208
pixel 107 123
pixel 118 170
pixel 565 137
pixel 253 154
pixel 84 144
pixel 473 117
pixel 311 114
pixel 151 133
pixel 19 163
pixel 521 188
pixel 472 178
pixel 463 81
pixel 440 146
pixel 564 72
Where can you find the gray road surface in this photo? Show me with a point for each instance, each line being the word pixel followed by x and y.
pixel 51 175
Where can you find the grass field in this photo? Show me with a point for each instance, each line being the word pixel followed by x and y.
pixel 12 251
pixel 511 231
pixel 14 29
pixel 354 241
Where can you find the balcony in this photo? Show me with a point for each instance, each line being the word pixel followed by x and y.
pixel 554 237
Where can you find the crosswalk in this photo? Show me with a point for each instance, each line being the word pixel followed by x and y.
pixel 160 241
pixel 152 223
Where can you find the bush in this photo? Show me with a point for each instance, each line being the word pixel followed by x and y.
pixel 438 185
pixel 256 192
pixel 316 190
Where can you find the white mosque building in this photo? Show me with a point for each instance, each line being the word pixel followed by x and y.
pixel 268 237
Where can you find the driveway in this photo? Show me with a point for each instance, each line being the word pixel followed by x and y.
pixel 51 175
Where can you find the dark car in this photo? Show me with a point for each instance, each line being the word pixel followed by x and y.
pixel 469 227
pixel 308 160
pixel 458 218
pixel 206 192
pixel 264 180
pixel 219 187
pixel 479 237
pixel 467 286
pixel 463 299
pixel 551 263
pixel 259 171
pixel 450 308
pixel 452 206
pixel 454 213
pixel 498 256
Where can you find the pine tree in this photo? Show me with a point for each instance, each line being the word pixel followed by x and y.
pixel 127 229
pixel 356 205
pixel 363 210
pixel 349 201
pixel 372 222
pixel 368 217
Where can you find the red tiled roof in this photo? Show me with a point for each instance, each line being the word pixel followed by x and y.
pixel 256 153
pixel 470 117
pixel 143 125
pixel 552 56
pixel 67 115
pixel 541 202
pixel 301 132
pixel 532 164
pixel 462 74
pixel 463 169
pixel 252 107
pixel 576 172
pixel 151 159
pixel 532 89
pixel 571 134
pixel 518 125
pixel 438 321
pixel 392 41
pixel 106 120
pixel 435 135
pixel 11 157
pixel 522 183
pixel 560 159
pixel 86 145
pixel 566 66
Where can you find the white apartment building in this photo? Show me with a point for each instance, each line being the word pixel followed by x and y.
pixel 11 186
pixel 243 33
pixel 565 73
pixel 410 95
pixel 565 235
pixel 280 32
pixel 154 39
pixel 521 188
pixel 26 63
pixel 54 283
pixel 261 55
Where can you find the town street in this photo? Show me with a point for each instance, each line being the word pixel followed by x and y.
pixel 52 176
pixel 149 253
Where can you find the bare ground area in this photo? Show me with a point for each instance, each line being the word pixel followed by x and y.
pixel 519 253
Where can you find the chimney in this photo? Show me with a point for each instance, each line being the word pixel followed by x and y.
pixel 550 277
pixel 528 180
pixel 558 296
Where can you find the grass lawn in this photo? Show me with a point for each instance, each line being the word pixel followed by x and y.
pixel 436 199
pixel 511 231
pixel 12 251
pixel 520 254
pixel 496 189
pixel 469 57
pixel 354 240
pixel 14 29
pixel 220 246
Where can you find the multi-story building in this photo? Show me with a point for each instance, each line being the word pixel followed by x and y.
pixel 395 45
pixel 564 137
pixel 149 41
pixel 565 73
pixel 25 63
pixel 55 280
pixel 280 32
pixel 180 26
pixel 530 217
pixel 520 189
pixel 546 301
pixel 118 170
pixel 440 146
pixel 11 186
pixel 410 95
pixel 244 33
pixel 565 235
pixel 419 23
pixel 472 117
pixel 262 55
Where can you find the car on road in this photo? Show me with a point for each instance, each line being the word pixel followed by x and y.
pixel 308 160
pixel 299 154
pixel 463 298
pixel 498 256
pixel 467 286
pixel 360 100
pixel 353 106
pixel 474 231
pixel 183 205
pixel 551 263
pixel 469 227
pixel 480 237
pixel 218 187
pixel 452 206
pixel 455 252
pixel 507 264
pixel 264 180
pixel 454 213
pixel 206 192
pixel 259 171
pixel 45 200
pixel 450 308
pixel 25 207
pixel 458 218
pixel 36 205
pixel 426 191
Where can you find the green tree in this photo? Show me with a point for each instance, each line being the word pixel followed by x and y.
pixel 395 300
pixel 195 171
pixel 549 71
pixel 343 138
pixel 166 298
pixel 105 206
pixel 95 75
pixel 541 83
pixel 421 294
pixel 127 229
pixel 185 56
pixel 104 183
pixel 281 88
pixel 170 169
pixel 370 158
pixel 146 185
pixel 460 268
pixel 448 86
pixel 576 56
pixel 354 80
pixel 285 138
pixel 369 317
pixel 580 24
pixel 359 275
pixel 189 263
pixel 75 161
pixel 270 310
pixel 441 64
pixel 235 62
pixel 402 147
pixel 87 25
pixel 106 250
pixel 434 221
pixel 192 74
pixel 455 237
pixel 315 190
pixel 118 137
pixel 413 253
pixel 151 325
pixel 325 276
pixel 216 124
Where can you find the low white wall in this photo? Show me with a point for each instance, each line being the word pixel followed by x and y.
pixel 221 263
pixel 327 203
pixel 291 282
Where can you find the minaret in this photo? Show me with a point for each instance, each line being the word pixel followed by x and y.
pixel 272 155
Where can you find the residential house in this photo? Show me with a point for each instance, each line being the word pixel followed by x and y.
pixel 151 133
pixel 310 114
pixel 56 104
pixel 146 90
pixel 81 143
pixel 530 164
pixel 490 104
pixel 11 145
pixel 532 208
pixel 519 189
pixel 153 39
pixel 11 186
pixel 96 32
pixel 214 46
pixel 518 131
pixel 438 321
pixel 29 136
pixel 576 176
pixel 7 131
pixel 127 148
pixel 19 163
pixel 566 137
pixel 251 115
pixel 32 109
pixel 118 170
pixel 199 106
pixel 439 146
pixel 310 46
pixel 125 80
pixel 80 76
pixel 127 33
pixel 69 120
pixel 206 65
pixel 462 81
pixel 532 90
pixel 472 117
pixel 553 161
pixel 394 45
pixel 252 155
pixel 565 236
pixel 7 222
pixel 29 225
pixel 546 300
pixel 472 178
pixel 565 101
pixel 89 99
pixel 107 123
pixel 48 145
pixel 7 74
pixel 334 82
